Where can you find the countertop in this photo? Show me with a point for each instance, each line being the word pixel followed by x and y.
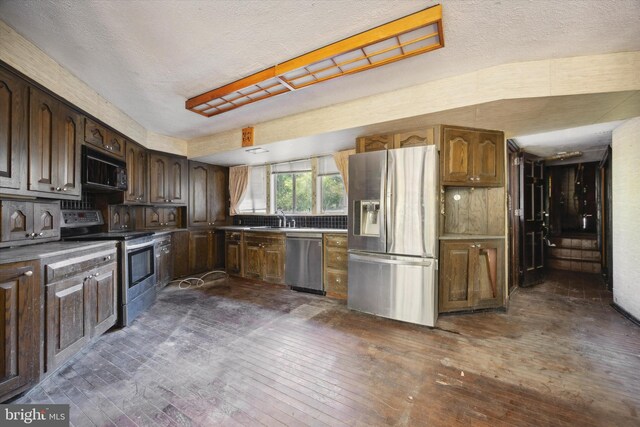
pixel 282 230
pixel 44 250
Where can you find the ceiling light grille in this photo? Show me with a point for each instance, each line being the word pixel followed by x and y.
pixel 412 35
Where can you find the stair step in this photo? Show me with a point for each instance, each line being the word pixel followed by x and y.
pixel 573 243
pixel 574 254
pixel 573 265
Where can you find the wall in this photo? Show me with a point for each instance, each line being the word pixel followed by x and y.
pixel 28 59
pixel 625 215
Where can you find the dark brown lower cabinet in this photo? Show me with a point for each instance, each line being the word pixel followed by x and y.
pixel 206 251
pixel 233 252
pixel 180 250
pixel 264 256
pixel 164 261
pixel 20 329
pixel 81 303
pixel 471 275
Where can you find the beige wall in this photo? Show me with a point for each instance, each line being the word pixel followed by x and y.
pixel 625 169
pixel 27 58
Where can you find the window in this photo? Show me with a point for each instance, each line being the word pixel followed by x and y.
pixel 255 199
pixel 331 193
pixel 292 189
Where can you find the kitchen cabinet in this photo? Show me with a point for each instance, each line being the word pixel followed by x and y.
pixel 206 251
pixel 104 139
pixel 208 194
pixel 472 157
pixel 335 265
pixel 471 274
pixel 81 303
pixel 121 218
pixel 233 252
pixel 136 158
pixel 14 113
pixel 20 329
pixel 180 250
pixel 159 217
pixel 168 179
pixel 414 138
pixel 54 147
pixel 264 256
pixel 164 261
pixel 23 222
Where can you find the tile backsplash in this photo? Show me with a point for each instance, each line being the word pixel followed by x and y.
pixel 306 221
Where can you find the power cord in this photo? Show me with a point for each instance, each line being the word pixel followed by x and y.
pixel 198 282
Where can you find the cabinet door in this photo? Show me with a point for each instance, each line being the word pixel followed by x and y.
pixel 115 144
pixel 178 180
pixel 233 257
pixel 46 220
pixel 414 139
pixel 198 251
pixel 170 216
pixel 158 176
pixel 19 330
pixel 219 194
pixel 17 220
pixel 488 167
pixel 104 299
pixel 273 263
pixel 217 250
pixel 136 158
pixel 164 265
pixel 153 217
pixel 199 192
pixel 456 166
pixel 336 284
pixel 43 143
pixel 69 141
pixel 456 276
pixel 253 260
pixel 68 313
pixel 95 134
pixel 14 101
pixel 488 277
pixel 180 251
pixel 374 143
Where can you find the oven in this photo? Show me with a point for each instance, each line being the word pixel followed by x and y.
pixel 138 277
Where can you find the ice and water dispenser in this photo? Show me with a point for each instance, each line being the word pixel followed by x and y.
pixel 367 218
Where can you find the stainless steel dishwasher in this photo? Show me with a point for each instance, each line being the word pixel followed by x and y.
pixel 303 262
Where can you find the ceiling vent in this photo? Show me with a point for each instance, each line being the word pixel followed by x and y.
pixel 412 35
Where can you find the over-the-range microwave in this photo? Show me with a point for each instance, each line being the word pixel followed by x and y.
pixel 102 172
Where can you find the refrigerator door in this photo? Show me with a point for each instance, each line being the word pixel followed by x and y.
pixel 412 201
pixel 400 288
pixel 367 179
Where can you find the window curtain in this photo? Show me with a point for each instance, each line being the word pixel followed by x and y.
pixel 342 162
pixel 238 183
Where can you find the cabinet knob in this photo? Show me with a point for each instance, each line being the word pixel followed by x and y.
pixel 64 188
pixel 166 200
pixel 28 273
pixel 338 280
pixel 40 234
pixel 170 201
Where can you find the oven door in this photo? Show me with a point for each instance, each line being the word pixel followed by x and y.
pixel 140 270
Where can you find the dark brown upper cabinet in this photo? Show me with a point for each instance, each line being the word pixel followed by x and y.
pixel 168 179
pixel 208 194
pixel 136 157
pixel 54 147
pixel 14 102
pixel 472 157
pixel 103 138
pixel 25 222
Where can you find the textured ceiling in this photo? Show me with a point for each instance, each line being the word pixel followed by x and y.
pixel 148 57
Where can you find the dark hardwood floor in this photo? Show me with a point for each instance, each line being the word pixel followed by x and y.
pixel 241 353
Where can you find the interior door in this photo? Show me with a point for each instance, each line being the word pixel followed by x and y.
pixel 532 219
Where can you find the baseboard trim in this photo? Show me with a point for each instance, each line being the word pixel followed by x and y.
pixel 625 314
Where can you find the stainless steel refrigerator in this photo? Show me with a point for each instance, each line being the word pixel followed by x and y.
pixel 393 200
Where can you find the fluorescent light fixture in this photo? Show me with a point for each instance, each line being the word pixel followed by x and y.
pixel 563 155
pixel 257 150
pixel 412 35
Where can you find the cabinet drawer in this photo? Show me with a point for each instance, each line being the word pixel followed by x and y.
pixel 336 258
pixel 234 236
pixel 336 284
pixel 70 267
pixel 265 238
pixel 335 240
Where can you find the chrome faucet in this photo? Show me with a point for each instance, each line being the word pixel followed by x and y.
pixel 280 212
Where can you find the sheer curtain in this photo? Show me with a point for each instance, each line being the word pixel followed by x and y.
pixel 238 183
pixel 342 162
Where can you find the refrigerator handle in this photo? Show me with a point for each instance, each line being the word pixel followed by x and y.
pixel 389 202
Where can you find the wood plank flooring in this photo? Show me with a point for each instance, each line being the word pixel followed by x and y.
pixel 241 353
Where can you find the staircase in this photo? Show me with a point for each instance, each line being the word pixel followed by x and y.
pixel 574 253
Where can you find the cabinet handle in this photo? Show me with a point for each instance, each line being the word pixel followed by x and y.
pixel 40 234
pixel 28 273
